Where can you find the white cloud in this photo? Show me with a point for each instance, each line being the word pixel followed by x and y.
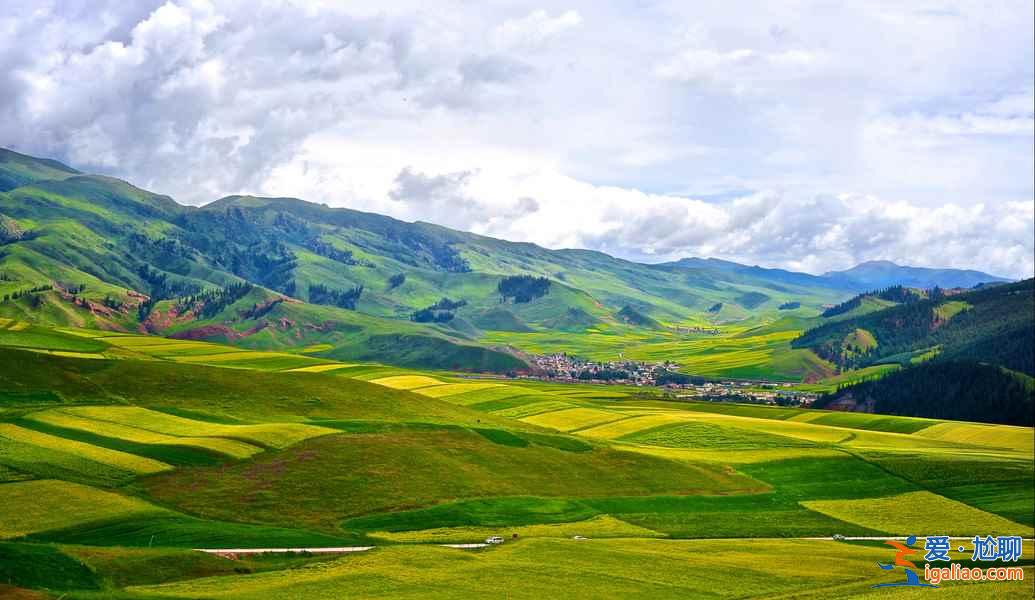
pixel 742 69
pixel 801 134
pixel 533 29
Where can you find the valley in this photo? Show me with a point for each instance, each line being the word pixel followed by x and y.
pixel 105 466
pixel 270 373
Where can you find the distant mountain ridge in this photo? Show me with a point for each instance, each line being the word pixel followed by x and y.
pixel 876 274
pixel 866 276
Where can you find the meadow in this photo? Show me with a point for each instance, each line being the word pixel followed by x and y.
pixel 109 475
pixel 590 569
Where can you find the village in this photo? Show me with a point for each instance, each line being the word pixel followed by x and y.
pixel 562 367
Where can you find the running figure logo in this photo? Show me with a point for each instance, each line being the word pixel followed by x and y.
pixel 904 550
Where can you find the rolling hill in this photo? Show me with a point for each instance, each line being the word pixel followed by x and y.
pixel 968 355
pixel 991 325
pixel 286 274
pixel 120 453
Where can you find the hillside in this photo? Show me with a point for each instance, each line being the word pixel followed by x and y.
pixel 992 325
pixel 967 391
pixel 283 273
pixel 17 170
pixel 967 356
pixel 279 273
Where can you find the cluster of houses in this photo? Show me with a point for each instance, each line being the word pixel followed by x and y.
pixel 566 368
pixel 749 392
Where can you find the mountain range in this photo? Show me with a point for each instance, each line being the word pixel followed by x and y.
pixel 282 273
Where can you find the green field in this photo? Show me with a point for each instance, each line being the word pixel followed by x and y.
pixel 592 569
pixel 109 475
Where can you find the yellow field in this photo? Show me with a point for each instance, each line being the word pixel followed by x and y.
pixel 909 513
pixel 19 326
pixel 276 435
pixel 407 382
pixel 995 436
pixel 61 418
pixel 452 389
pixel 133 341
pixel 807 417
pixel 533 408
pixel 890 442
pixel 604 526
pixel 68 353
pixel 626 426
pixel 114 458
pixel 572 418
pixel 229 356
pixel 33 506
pixel 172 347
pixel 499 392
pixel 319 368
pixel 731 457
pixel 72 354
pixel 805 431
pixel 86 333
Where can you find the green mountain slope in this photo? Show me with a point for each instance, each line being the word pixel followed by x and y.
pixel 967 391
pixel 17 170
pixel 279 273
pixel 991 324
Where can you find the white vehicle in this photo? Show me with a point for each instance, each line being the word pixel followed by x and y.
pixel 495 539
pixel 578 538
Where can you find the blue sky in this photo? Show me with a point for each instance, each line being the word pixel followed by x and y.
pixel 805 135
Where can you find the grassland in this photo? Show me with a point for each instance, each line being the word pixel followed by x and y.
pixel 270 435
pixel 34 506
pixel 592 569
pixel 262 451
pixel 404 469
pixel 710 435
pixel 598 527
pixel 900 514
pixel 112 458
pixel 66 419
pixel 22 460
pixel 573 418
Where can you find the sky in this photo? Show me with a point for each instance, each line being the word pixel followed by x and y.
pixel 809 135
